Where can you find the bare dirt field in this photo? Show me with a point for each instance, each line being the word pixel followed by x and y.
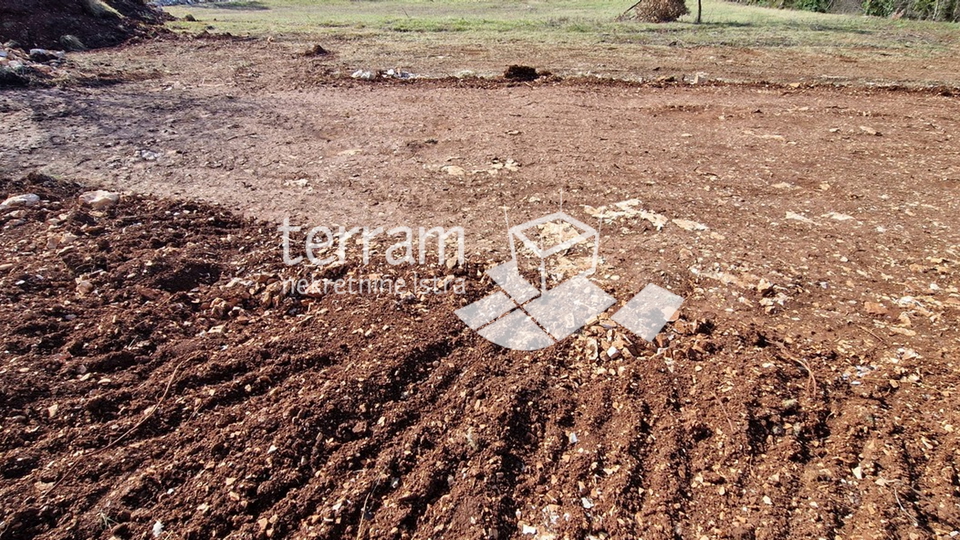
pixel 157 380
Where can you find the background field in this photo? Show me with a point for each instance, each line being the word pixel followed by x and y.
pixel 567 37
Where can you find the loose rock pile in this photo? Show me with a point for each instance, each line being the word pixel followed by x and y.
pixel 19 67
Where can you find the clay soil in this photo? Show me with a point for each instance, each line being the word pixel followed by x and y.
pixel 158 380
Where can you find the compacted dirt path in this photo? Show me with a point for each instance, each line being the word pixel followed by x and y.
pixel 155 369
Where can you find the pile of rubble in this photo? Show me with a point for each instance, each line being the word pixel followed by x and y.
pixel 20 68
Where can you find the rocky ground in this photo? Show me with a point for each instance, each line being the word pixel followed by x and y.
pixel 160 380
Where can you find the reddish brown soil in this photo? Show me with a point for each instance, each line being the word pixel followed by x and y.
pixel 188 389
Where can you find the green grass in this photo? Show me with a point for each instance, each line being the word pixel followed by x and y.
pixel 565 21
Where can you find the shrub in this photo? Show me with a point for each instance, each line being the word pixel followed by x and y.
pixel 659 11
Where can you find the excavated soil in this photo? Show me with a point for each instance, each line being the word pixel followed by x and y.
pixel 159 380
pixel 95 23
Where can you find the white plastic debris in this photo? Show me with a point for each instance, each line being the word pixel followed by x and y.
pixel 157 529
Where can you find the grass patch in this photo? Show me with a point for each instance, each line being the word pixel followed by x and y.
pixel 563 20
pixel 569 37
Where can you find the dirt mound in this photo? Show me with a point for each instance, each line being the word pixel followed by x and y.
pixel 521 73
pixel 157 376
pixel 76 24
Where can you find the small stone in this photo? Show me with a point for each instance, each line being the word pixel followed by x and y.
pixel 99 199
pixel 902 331
pixel 20 201
pixel 84 287
pixel 314 290
pixel 764 287
pixel 874 308
pixel 72 43
pixel 42 55
pixel 43 487
pixel 365 75
pixel 870 131
pixel 453 170
pixel 591 350
pixel 798 217
pixel 689 225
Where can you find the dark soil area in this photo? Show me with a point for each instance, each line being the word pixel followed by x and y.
pixel 93 23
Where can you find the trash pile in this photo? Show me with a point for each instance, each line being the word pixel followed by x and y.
pixel 21 68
